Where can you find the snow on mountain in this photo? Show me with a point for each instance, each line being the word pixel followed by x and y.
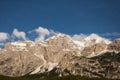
pixel 50 52
pixel 96 38
pixel 79 44
pixel 16 46
pixel 21 44
pixel 37 70
pixel 43 44
pixel 89 41
pixel 59 35
pixel 66 39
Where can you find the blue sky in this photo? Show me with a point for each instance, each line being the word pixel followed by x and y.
pixel 66 16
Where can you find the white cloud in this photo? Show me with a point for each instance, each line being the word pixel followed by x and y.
pixel 114 34
pixel 42 33
pixel 19 34
pixel 52 32
pixel 3 36
pixel 105 35
pixel 79 37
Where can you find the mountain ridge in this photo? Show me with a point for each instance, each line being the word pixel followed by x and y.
pixel 59 51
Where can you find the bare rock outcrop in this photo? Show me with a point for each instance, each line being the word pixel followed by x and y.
pixel 114 46
pixel 93 50
pixel 93 57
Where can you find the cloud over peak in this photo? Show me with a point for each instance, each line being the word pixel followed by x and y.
pixel 42 33
pixel 114 34
pixel 19 34
pixel 79 36
pixel 3 36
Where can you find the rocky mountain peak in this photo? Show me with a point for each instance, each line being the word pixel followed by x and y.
pixel 94 50
pixel 62 53
pixel 61 40
pixel 19 46
pixel 94 38
pixel 117 41
pixel 59 36
pixel 114 46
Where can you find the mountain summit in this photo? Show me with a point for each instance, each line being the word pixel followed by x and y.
pixel 93 56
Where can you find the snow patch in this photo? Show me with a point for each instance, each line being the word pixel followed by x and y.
pixel 91 55
pixel 96 39
pixel 44 67
pixel 36 70
pixel 18 46
pixel 51 65
pixel 43 44
pixel 102 52
pixel 58 35
pixel 29 41
pixel 78 44
pixel 65 49
pixel 40 56
pixel 32 45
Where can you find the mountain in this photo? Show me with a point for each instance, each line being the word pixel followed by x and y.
pixel 60 55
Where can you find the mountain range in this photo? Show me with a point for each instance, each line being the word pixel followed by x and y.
pixel 61 55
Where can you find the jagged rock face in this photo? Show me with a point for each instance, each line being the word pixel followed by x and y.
pixel 62 41
pixel 106 65
pixel 20 58
pixel 62 55
pixel 80 66
pixel 94 49
pixel 115 46
pixel 54 53
pixel 17 62
pixel 110 62
pixel 94 39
